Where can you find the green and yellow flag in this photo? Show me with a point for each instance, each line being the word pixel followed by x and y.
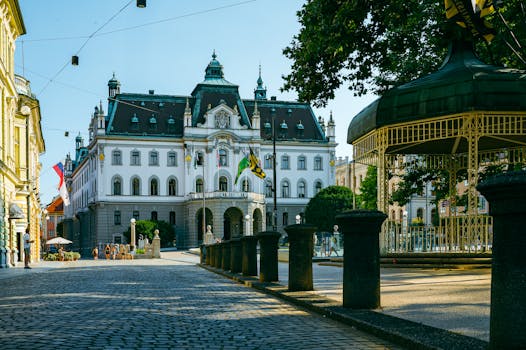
pixel 461 11
pixel 255 167
pixel 243 164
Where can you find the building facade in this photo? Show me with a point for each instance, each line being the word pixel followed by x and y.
pixel 21 145
pixel 176 159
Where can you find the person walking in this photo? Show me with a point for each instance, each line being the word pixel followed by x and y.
pixel 107 251
pixel 95 253
pixel 27 248
pixel 334 246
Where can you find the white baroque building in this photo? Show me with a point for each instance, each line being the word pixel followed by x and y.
pixel 173 158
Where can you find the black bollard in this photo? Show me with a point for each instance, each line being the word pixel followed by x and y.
pixel 202 255
pixel 218 255
pixel 361 259
pixel 250 260
pixel 301 246
pixel 225 261
pixel 236 255
pixel 213 249
pixel 506 194
pixel 268 255
pixel 207 260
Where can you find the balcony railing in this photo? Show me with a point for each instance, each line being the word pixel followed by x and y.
pixel 227 195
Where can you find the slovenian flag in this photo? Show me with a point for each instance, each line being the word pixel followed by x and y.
pixel 59 168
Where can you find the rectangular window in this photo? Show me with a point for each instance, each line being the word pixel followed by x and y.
pixel 116 158
pixel 317 163
pixel 172 159
pixel 154 158
pixel 285 162
pixel 172 218
pixel 135 158
pixel 301 163
pixel 285 219
pixel 136 214
pixel 268 161
pixel 117 217
pixel 153 216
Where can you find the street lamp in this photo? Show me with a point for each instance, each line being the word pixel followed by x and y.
pixel 247 221
pixel 298 219
pixel 132 238
pixel 274 176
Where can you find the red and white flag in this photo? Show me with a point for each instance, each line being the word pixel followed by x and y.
pixel 59 168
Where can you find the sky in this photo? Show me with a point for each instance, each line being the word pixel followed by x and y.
pixel 164 47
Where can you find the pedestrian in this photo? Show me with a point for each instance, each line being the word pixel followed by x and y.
pixel 95 253
pixel 60 254
pixel 113 251
pixel 107 251
pixel 334 246
pixel 27 248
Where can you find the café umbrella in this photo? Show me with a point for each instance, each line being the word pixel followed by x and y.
pixel 58 240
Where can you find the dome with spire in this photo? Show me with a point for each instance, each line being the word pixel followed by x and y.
pixel 113 82
pixel 260 93
pixel 214 73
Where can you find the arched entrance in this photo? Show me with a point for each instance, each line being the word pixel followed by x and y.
pixel 199 220
pixel 258 221
pixel 233 223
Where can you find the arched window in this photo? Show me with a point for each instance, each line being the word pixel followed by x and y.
pixel 136 187
pixel 302 163
pixel 117 187
pixel 302 189
pixel 154 158
pixel 223 157
pixel 285 189
pixel 172 187
pixel 420 213
pixel 154 187
pixel 317 187
pixel 268 188
pixel 199 185
pixel 223 184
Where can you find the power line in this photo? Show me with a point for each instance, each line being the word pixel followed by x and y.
pixel 85 42
pixel 191 14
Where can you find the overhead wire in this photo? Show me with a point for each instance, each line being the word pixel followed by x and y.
pixel 83 45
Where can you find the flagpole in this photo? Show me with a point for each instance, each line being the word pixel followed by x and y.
pixel 204 205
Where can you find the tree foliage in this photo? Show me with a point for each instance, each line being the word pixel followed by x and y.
pixel 322 208
pixel 147 228
pixel 369 189
pixel 375 45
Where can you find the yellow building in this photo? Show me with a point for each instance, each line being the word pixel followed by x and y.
pixel 21 144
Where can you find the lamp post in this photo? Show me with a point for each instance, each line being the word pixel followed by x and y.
pixel 274 176
pixel 132 238
pixel 247 223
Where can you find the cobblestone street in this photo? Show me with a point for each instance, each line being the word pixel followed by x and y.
pixel 157 304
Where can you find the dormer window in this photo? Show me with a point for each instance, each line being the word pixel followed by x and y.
pixel 135 122
pixel 153 123
pixel 171 125
pixel 268 128
pixel 300 129
pixel 283 129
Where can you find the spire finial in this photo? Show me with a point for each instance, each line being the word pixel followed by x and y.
pixel 214 54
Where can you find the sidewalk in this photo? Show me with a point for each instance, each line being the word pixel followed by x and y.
pixel 421 308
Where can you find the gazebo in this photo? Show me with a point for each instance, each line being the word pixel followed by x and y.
pixel 465 116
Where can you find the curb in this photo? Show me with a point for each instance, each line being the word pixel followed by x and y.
pixel 409 334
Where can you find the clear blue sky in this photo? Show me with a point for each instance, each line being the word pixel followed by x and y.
pixel 169 56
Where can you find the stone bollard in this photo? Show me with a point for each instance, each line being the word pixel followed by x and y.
pixel 218 255
pixel 250 259
pixel 268 256
pixel 156 245
pixel 225 261
pixel 361 260
pixel 301 246
pixel 236 255
pixel 208 249
pixel 506 194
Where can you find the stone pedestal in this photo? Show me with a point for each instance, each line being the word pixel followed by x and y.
pixel 225 259
pixel 236 255
pixel 506 194
pixel 301 247
pixel 250 260
pixel 218 256
pixel 361 261
pixel 207 257
pixel 268 256
pixel 156 245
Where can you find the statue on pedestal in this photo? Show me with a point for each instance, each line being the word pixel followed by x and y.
pixel 209 236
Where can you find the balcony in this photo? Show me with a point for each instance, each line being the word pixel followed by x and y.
pixel 257 197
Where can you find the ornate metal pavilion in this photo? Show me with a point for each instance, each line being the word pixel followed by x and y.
pixel 465 116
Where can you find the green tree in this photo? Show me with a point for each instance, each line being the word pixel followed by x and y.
pixel 329 202
pixel 375 45
pixel 369 189
pixel 147 228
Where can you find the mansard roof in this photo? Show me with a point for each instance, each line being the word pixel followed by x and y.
pixel 163 115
